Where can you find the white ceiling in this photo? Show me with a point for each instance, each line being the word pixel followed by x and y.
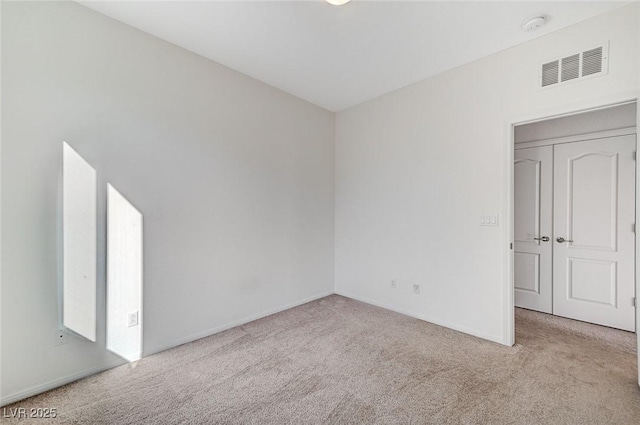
pixel 338 57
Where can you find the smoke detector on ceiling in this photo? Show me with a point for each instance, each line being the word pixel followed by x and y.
pixel 534 23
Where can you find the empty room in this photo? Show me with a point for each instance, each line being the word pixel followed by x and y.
pixel 319 212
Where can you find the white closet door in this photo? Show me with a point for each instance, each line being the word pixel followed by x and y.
pixel 533 180
pixel 594 240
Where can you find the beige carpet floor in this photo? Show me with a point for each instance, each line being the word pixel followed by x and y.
pixel 339 361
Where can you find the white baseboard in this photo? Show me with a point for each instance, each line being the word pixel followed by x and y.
pixel 493 338
pixel 29 392
pixel 226 326
pixel 37 389
pixel 47 386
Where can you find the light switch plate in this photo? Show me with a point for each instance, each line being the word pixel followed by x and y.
pixel 489 220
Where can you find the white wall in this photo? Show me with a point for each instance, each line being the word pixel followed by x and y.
pixel 234 179
pixel 416 168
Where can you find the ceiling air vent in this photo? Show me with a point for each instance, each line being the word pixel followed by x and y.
pixel 550 73
pixel 570 67
pixel 578 66
pixel 592 61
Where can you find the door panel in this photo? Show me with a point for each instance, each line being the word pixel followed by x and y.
pixel 533 180
pixel 593 201
pixel 527 269
pixel 582 272
pixel 594 211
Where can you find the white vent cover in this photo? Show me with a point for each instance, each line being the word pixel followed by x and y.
pixel 592 61
pixel 589 63
pixel 550 73
pixel 570 68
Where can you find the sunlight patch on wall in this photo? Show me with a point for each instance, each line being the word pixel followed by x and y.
pixel 124 277
pixel 79 243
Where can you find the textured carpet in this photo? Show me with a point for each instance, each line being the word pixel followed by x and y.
pixel 340 361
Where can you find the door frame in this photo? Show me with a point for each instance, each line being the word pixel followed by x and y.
pixel 508 198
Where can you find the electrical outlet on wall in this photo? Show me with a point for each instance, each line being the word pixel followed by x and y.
pixel 61 337
pixel 416 288
pixel 394 283
pixel 132 319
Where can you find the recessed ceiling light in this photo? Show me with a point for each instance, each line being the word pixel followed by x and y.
pixel 534 23
pixel 338 2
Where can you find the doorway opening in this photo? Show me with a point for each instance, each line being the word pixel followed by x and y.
pixel 574 217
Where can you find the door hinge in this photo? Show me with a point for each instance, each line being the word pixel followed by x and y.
pixel 633 301
pixel 633 227
pixel 511 245
pixel 634 156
